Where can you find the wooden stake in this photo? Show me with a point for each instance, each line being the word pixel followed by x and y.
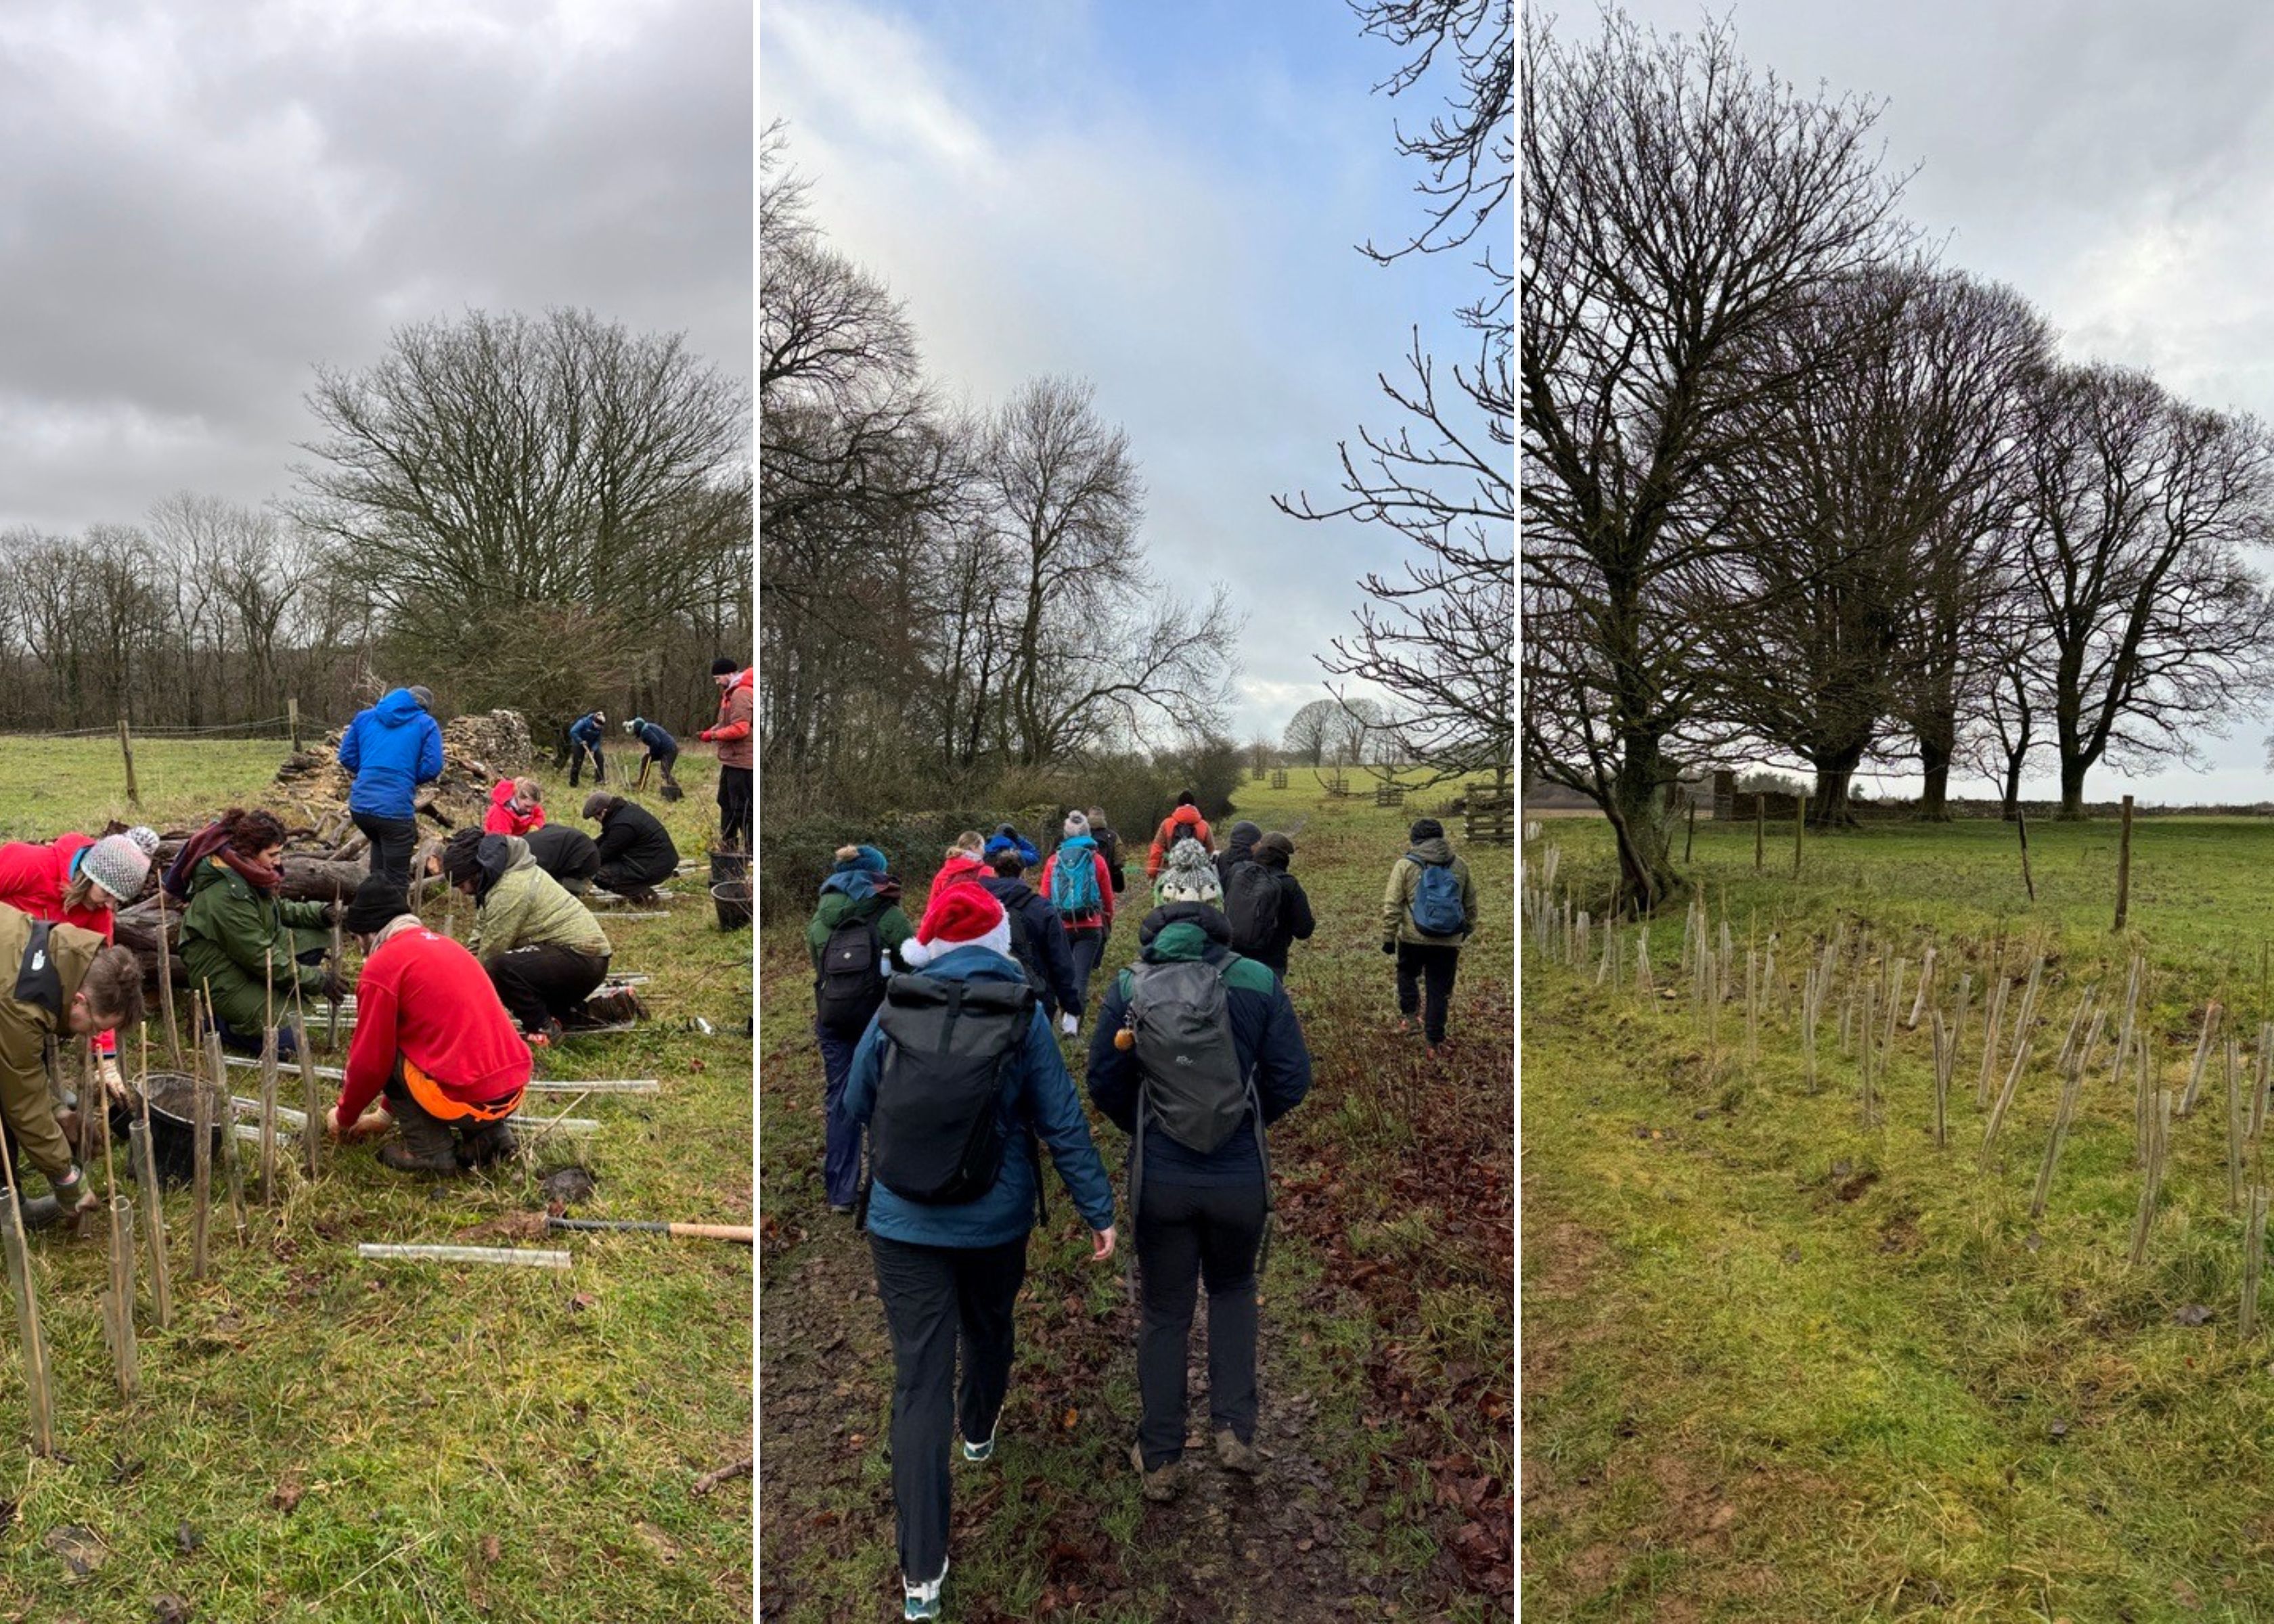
pixel 1690 836
pixel 127 748
pixel 166 985
pixel 1799 824
pixel 1925 985
pixel 2062 1115
pixel 154 1208
pixel 2152 1181
pixel 201 1179
pixel 2021 825
pixel 2254 1262
pixel 2123 867
pixel 1946 1051
pixel 38 1389
pixel 2233 1125
pixel 232 1164
pixel 312 1131
pixel 2202 1052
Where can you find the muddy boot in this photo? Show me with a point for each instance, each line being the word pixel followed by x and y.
pixel 425 1146
pixel 488 1142
pixel 1159 1484
pixel 1234 1455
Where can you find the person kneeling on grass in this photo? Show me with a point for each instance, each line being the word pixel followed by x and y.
pixel 240 941
pixel 84 881
pixel 566 853
pixel 955 1080
pixel 636 852
pixel 64 983
pixel 544 950
pixel 517 808
pixel 431 1038
pixel 1214 1054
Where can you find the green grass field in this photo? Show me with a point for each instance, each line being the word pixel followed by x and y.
pixel 346 1440
pixel 1387 1340
pixel 1781 1366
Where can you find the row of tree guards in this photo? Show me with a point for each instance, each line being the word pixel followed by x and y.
pixel 1870 989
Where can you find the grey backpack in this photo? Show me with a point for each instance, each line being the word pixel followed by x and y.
pixel 1191 1084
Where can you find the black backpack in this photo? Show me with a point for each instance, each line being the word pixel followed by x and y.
pixel 938 1132
pixel 1250 902
pixel 851 981
pixel 1109 846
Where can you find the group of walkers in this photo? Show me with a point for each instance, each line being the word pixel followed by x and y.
pixel 940 1059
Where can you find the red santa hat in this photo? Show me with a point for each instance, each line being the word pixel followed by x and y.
pixel 959 916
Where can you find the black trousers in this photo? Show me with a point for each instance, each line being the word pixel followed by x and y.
pixel 1191 1235
pixel 736 813
pixel 1425 982
pixel 538 984
pixel 392 840
pixel 577 751
pixel 936 1297
pixel 630 879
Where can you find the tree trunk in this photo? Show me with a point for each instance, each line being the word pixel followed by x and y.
pixel 2073 769
pixel 1828 808
pixel 2011 810
pixel 1643 825
pixel 1935 751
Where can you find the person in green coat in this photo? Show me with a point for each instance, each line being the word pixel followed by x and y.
pixel 544 950
pixel 241 941
pixel 860 890
pixel 63 985
pixel 1425 929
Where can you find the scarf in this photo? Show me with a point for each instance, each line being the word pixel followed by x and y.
pixel 194 851
pixel 255 873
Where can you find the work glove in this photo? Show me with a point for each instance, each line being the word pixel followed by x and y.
pixel 1390 948
pixel 1069 1023
pixel 114 1083
pixel 76 1193
pixel 333 985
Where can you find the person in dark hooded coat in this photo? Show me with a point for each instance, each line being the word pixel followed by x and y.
pixel 1286 909
pixel 1040 938
pixel 566 853
pixel 637 853
pixel 1239 847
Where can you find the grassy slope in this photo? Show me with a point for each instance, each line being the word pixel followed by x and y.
pixel 419 1413
pixel 1386 1326
pixel 1779 1365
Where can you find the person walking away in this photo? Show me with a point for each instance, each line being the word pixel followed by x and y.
pixel 1428 911
pixel 542 949
pixel 954 1082
pixel 1079 888
pixel 856 928
pixel 517 808
pixel 1184 824
pixel 1007 835
pixel 66 983
pixel 585 734
pixel 1038 940
pixel 1190 876
pixel 1239 847
pixel 963 861
pixel 1216 1055
pixel 566 853
pixel 637 852
pixel 240 941
pixel 662 755
pixel 1267 906
pixel 737 810
pixel 431 1042
pixel 79 880
pixel 1109 847
pixel 392 748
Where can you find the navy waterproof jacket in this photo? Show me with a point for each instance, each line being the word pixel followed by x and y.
pixel 1265 1034
pixel 585 730
pixel 1037 1096
pixel 655 741
pixel 392 748
pixel 1046 938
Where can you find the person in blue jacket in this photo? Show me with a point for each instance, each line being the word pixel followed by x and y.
pixel 1200 1217
pixel 392 748
pixel 1007 838
pixel 584 735
pixel 951 1274
pixel 662 753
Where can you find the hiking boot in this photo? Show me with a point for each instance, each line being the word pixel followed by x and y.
pixel 1159 1484
pixel 40 1211
pixel 976 1453
pixel 1409 1025
pixel 425 1146
pixel 1436 1052
pixel 922 1601
pixel 842 1210
pixel 546 1035
pixel 1236 1456
pixel 490 1141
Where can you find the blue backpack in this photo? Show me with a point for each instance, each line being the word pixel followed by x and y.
pixel 1436 907
pixel 1074 879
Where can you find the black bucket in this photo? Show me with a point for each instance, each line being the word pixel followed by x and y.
pixel 173 1126
pixel 730 889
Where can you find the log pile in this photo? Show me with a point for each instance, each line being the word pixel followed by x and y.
pixel 477 752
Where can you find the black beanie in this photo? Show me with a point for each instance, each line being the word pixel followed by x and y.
pixel 724 666
pixel 379 901
pixel 1425 829
pixel 1184 798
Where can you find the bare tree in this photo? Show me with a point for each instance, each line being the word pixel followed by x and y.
pixel 1678 210
pixel 2139 509
pixel 1304 740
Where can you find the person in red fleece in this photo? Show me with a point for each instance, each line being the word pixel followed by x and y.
pixel 737 807
pixel 963 862
pixel 516 806
pixel 1186 822
pixel 79 880
pixel 432 1038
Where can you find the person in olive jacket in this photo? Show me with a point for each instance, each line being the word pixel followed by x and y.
pixel 242 943
pixel 860 888
pixel 544 950
pixel 67 985
pixel 1426 960
pixel 636 852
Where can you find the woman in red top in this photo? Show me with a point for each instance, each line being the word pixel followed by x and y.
pixel 432 1038
pixel 516 806
pixel 77 880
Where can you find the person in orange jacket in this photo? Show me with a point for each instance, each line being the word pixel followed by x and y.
pixel 1186 822
pixel 737 806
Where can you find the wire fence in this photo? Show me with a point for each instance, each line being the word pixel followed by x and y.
pixel 264 727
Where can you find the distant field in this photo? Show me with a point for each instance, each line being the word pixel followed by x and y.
pixel 1781 1366
pixel 346 1440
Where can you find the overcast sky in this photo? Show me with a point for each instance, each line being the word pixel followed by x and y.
pixel 199 202
pixel 2113 161
pixel 1163 199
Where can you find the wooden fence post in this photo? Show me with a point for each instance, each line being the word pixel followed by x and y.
pixel 1759 831
pixel 292 722
pixel 1799 823
pixel 127 747
pixel 2123 867
pixel 1691 835
pixel 2021 823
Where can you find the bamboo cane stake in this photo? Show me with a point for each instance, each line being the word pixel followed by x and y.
pixel 2233 1125
pixel 1946 1051
pixel 231 1163
pixel 117 1304
pixel 510 1255
pixel 153 1211
pixel 2258 1083
pixel 2202 1052
pixel 1993 1018
pixel 166 985
pixel 2072 1084
pixel 2152 1181
pixel 2254 1262
pixel 38 1388
pixel 2021 1060
pixel 1864 1067
pixel 201 1179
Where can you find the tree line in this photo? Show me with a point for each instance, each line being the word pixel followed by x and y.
pixel 546 512
pixel 1793 488
pixel 951 595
